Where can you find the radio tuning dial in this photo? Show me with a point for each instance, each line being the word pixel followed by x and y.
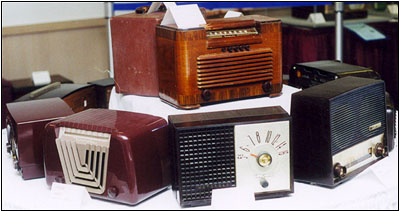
pixel 264 160
pixel 262 156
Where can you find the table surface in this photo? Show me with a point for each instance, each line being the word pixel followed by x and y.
pixel 374 188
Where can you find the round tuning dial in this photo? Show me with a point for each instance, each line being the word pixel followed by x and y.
pixel 339 170
pixel 264 160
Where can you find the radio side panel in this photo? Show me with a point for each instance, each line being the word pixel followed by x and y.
pixel 311 140
pixel 272 37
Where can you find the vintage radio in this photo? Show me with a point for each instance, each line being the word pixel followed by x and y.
pixel 78 96
pixel 338 129
pixel 305 75
pixel 103 89
pixel 134 53
pixel 249 148
pixel 25 132
pixel 119 156
pixel 226 59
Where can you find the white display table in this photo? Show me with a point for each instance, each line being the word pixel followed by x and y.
pixel 375 188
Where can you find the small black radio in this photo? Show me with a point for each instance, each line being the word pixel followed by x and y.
pixel 248 148
pixel 338 129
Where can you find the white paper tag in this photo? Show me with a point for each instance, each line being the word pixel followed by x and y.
pixel 233 14
pixel 316 18
pixel 393 9
pixel 68 196
pixel 169 4
pixel 155 5
pixel 184 16
pixel 41 78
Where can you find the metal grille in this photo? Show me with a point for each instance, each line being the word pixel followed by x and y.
pixel 206 161
pixel 218 70
pixel 353 113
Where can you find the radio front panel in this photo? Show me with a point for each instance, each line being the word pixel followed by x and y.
pixel 230 152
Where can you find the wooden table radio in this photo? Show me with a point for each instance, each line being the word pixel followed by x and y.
pixel 226 59
pixel 117 155
pixel 25 132
pixel 338 129
pixel 249 148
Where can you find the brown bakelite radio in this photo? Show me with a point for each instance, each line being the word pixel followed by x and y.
pixel 78 96
pixel 248 149
pixel 25 132
pixel 117 155
pixel 227 59
pixel 339 129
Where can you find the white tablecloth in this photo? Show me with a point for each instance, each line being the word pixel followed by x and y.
pixel 375 188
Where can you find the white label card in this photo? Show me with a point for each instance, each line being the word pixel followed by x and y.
pixel 41 78
pixel 155 5
pixel 184 16
pixel 233 14
pixel 68 196
pixel 316 18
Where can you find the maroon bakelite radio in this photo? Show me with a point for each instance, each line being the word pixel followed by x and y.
pixel 25 127
pixel 117 155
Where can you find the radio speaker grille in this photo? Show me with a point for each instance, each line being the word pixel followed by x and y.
pixel 218 70
pixel 353 114
pixel 83 156
pixel 206 161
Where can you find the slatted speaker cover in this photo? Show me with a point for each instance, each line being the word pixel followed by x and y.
pixel 84 155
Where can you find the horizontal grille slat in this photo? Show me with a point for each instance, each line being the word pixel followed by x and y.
pixel 235 82
pixel 233 78
pixel 230 59
pixel 237 68
pixel 233 63
pixel 231 55
pixel 201 75
pixel 352 114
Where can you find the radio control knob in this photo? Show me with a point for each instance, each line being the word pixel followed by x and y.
pixel 339 170
pixel 223 49
pixel 206 94
pixel 230 49
pixel 264 183
pixel 267 87
pixel 8 145
pixel 380 150
pixel 247 47
pixel 112 192
pixel 264 160
pixel 241 48
pixel 236 49
pixel 16 165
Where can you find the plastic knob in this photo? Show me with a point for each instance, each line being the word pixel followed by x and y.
pixel 339 170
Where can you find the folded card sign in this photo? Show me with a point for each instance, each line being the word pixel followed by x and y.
pixel 184 16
